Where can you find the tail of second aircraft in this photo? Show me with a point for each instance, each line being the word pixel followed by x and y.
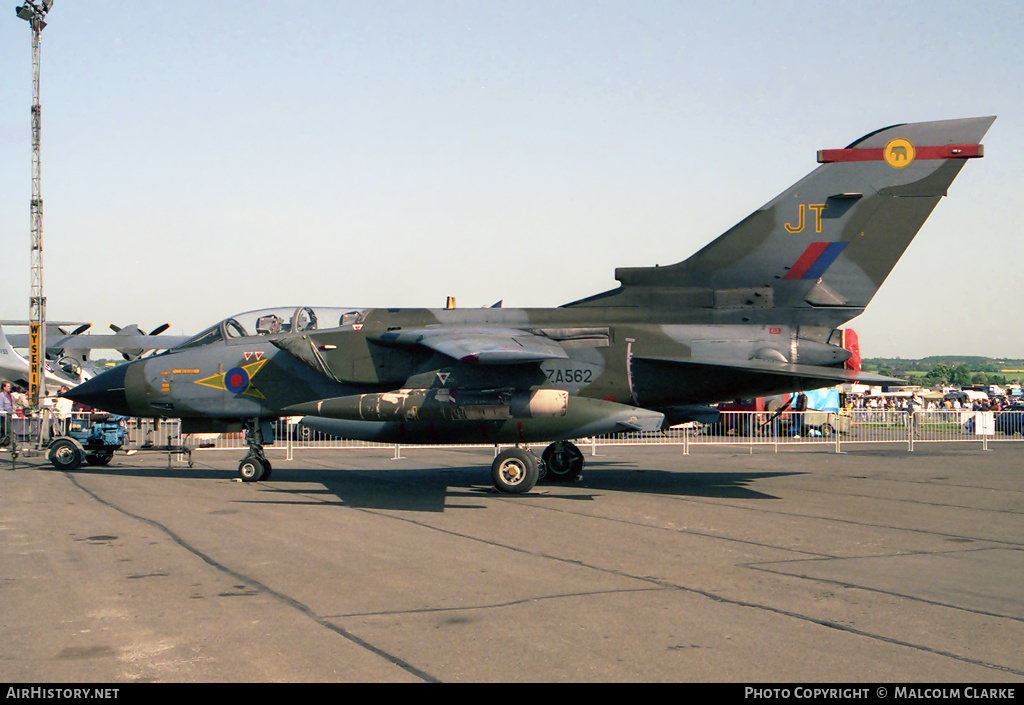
pixel 822 248
pixel 15 368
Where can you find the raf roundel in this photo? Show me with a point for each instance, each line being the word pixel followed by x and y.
pixel 236 380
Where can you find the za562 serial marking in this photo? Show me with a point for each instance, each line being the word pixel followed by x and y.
pixel 572 376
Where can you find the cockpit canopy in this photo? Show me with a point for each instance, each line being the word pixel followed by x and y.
pixel 276 321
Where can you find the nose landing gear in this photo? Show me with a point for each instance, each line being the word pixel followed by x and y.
pixel 254 466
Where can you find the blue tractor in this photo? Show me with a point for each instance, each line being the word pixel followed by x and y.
pixel 93 442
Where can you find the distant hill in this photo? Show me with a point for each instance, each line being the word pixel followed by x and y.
pixel 945 369
pixel 975 363
pixel 970 360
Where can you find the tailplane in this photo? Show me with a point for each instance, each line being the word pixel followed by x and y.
pixel 822 248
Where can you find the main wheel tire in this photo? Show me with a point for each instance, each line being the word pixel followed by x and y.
pixel 563 462
pixel 250 469
pixel 65 455
pixel 514 471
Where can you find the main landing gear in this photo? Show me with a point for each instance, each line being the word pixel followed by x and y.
pixel 517 470
pixel 254 466
pixel 514 470
pixel 563 462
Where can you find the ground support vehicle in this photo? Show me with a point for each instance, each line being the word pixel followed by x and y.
pixel 95 442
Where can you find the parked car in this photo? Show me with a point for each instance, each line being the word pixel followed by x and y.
pixel 813 423
pixel 1010 420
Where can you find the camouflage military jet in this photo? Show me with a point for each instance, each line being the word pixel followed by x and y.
pixel 754 313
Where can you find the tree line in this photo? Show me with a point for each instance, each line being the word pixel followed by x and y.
pixel 956 371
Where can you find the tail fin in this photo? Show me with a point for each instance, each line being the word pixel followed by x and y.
pixel 821 249
pixel 13 367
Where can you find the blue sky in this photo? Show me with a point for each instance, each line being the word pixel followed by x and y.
pixel 204 158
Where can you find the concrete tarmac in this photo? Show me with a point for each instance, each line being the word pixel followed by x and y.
pixel 875 565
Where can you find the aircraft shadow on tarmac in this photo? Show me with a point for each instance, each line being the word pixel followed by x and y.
pixel 429 489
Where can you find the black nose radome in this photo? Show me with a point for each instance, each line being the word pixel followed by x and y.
pixel 104 391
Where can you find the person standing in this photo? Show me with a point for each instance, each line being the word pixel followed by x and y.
pixel 61 412
pixel 800 411
pixel 20 399
pixel 6 410
pixel 6 399
pixel 913 405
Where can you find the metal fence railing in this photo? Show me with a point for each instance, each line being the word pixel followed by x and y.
pixel 745 428
pixel 825 430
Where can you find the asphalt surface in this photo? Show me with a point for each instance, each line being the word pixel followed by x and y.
pixel 876 565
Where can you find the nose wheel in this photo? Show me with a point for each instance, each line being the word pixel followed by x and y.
pixel 254 469
pixel 254 466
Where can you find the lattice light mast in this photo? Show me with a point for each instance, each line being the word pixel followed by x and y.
pixel 34 11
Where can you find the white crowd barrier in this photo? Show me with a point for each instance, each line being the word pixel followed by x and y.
pixel 824 430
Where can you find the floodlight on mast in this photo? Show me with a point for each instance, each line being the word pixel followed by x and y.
pixel 34 12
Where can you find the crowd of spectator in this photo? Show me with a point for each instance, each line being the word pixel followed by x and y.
pixel 949 402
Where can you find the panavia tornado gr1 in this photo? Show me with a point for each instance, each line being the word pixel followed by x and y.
pixel 755 313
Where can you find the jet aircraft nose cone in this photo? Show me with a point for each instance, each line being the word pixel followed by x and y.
pixel 104 391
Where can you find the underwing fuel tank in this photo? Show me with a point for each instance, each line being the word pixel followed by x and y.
pixel 440 405
pixel 811 352
pixel 583 417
